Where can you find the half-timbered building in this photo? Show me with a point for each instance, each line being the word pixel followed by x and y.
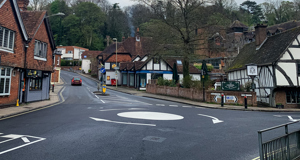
pixel 278 61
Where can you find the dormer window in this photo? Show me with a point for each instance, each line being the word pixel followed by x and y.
pixel 7 38
pixel 40 50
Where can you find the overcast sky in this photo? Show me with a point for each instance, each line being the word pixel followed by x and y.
pixel 123 3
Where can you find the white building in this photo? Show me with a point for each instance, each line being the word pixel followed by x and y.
pixel 71 52
pixel 278 61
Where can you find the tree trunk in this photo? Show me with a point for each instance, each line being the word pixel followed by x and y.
pixel 186 67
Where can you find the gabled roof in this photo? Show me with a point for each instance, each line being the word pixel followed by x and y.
pixel 238 24
pixel 270 51
pixel 32 22
pixel 130 45
pixel 16 9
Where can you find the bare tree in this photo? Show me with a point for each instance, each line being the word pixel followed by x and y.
pixel 37 5
pixel 178 20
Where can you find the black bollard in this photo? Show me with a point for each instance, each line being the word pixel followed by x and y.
pixel 53 88
pixel 222 100
pixel 245 98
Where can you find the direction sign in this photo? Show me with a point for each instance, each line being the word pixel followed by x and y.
pixel 231 99
pixel 102 70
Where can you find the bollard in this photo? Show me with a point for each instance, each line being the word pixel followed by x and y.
pixel 222 100
pixel 245 98
pixel 17 103
pixel 53 88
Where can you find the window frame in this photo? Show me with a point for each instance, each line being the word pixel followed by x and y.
pixel 290 95
pixel 5 78
pixel 39 79
pixel 40 50
pixel 9 41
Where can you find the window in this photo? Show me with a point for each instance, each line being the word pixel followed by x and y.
pixel 124 79
pixel 40 49
pixel 131 80
pixel 7 38
pixel 293 97
pixel 35 84
pixel 70 52
pixel 156 60
pixel 5 78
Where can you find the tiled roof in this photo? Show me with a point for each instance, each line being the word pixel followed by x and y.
pixel 130 45
pixel 238 24
pixel 90 54
pixel 268 53
pixel 32 21
pixel 283 26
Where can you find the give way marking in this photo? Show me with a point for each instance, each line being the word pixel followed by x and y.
pixel 9 141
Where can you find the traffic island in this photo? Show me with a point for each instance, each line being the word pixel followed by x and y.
pixel 100 93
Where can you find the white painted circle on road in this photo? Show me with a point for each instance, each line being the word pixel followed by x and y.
pixel 150 115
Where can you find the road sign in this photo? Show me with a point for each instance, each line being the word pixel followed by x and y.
pixel 114 65
pixel 102 70
pixel 230 86
pixel 231 99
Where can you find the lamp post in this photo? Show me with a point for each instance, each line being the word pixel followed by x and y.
pixel 57 14
pixel 115 39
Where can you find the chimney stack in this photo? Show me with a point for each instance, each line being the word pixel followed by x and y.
pixel 123 39
pixel 260 34
pixel 137 35
pixel 23 4
pixel 107 40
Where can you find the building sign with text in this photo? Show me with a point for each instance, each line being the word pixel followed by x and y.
pixel 230 86
pixel 33 73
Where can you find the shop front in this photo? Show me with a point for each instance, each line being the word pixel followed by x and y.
pixel 37 85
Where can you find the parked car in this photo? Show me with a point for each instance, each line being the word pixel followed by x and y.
pixel 76 81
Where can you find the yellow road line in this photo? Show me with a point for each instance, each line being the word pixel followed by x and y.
pixel 62 98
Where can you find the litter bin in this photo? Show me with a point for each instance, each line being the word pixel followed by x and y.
pixel 113 82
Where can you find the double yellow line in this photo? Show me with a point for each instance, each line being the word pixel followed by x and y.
pixel 15 115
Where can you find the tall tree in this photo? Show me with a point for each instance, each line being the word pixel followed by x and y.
pixel 253 11
pixel 175 24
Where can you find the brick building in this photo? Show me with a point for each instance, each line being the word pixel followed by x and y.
pixel 26 47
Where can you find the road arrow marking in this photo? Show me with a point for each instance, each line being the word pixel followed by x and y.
pixel 25 139
pixel 214 119
pixel 293 120
pixel 105 120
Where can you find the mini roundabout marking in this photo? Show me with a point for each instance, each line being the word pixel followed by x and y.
pixel 159 116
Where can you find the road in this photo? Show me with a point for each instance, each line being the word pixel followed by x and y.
pixel 122 126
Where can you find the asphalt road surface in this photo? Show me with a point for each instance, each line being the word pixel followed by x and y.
pixel 124 127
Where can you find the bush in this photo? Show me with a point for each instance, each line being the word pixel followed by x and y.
pixel 90 71
pixel 187 82
pixel 160 81
pixel 248 86
pixel 64 62
pixel 173 84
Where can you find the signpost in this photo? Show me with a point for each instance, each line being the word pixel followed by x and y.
pixel 252 72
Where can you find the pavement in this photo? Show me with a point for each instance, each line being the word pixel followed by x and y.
pixel 57 98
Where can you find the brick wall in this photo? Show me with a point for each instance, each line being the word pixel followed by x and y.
pixel 32 63
pixel 194 94
pixel 9 21
pixel 14 88
pixel 55 76
pixel 280 97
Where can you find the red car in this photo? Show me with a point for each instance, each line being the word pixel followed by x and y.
pixel 76 81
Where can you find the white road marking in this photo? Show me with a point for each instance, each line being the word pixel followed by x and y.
pixel 187 106
pixel 105 120
pixel 214 119
pixel 102 101
pixel 160 104
pixel 294 120
pixel 25 139
pixel 150 115
pixel 173 105
pixel 122 109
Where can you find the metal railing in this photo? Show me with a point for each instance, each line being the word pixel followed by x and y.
pixel 286 147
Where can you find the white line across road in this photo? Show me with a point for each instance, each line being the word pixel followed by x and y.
pixel 24 138
pixel 160 104
pixel 173 105
pixel 187 106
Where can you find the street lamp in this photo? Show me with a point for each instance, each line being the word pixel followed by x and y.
pixel 57 14
pixel 115 39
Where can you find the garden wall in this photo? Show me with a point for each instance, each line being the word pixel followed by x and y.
pixel 230 97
